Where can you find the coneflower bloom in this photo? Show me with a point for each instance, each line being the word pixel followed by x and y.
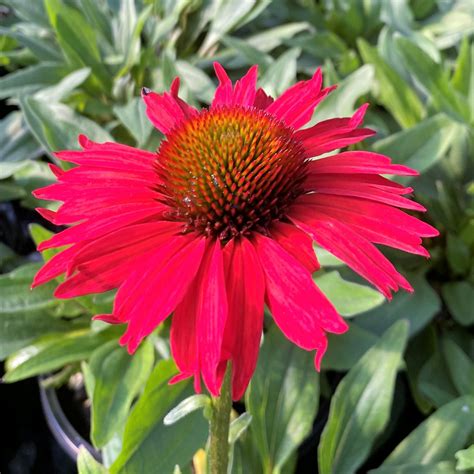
pixel 221 220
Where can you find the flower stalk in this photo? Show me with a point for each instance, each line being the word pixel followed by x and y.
pixel 219 427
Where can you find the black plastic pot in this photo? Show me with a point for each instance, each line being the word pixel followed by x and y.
pixel 62 429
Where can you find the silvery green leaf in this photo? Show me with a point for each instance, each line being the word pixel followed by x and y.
pixel 188 405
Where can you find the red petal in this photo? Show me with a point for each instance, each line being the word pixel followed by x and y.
pixel 296 105
pixel 299 308
pixel 335 133
pixel 339 185
pixel 364 162
pixel 297 243
pixel 243 93
pixel 153 291
pixel 349 246
pixel 262 99
pixel 56 265
pixel 98 227
pixel 166 111
pixel 245 289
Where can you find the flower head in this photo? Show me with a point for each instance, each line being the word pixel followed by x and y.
pixel 221 220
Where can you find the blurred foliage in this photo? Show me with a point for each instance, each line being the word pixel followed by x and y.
pixel 406 403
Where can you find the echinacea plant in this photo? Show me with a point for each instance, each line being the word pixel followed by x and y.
pixel 221 220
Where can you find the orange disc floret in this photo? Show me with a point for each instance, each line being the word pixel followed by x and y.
pixel 230 170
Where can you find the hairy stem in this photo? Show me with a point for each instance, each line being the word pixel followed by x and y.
pixel 219 429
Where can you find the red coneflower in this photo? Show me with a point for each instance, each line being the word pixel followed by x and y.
pixel 221 219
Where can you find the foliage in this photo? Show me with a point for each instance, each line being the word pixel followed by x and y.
pixel 399 385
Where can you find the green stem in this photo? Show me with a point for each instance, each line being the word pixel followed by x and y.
pixel 219 429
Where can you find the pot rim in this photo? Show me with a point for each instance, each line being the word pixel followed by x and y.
pixel 63 431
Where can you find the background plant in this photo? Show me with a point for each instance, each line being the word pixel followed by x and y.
pixel 77 66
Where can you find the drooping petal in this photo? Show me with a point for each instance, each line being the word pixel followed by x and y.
pixel 296 105
pixel 156 288
pixel 350 247
pixel 377 211
pixel 383 225
pixel 98 227
pixel 166 111
pixel 297 243
pixel 299 308
pixel 56 265
pixel 343 185
pixel 103 204
pixel 243 93
pixel 105 263
pixel 364 162
pixel 212 315
pixel 197 328
pixel 183 341
pixel 245 291
pixel 370 180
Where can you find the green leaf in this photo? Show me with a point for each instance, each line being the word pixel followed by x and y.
pixel 188 405
pixel 393 92
pixel 118 379
pixel 16 296
pixel 228 15
pixel 34 40
pixel 360 407
pixel 251 54
pixel 465 458
pixel 64 87
pixel 19 329
pixel 463 76
pixel 78 40
pixel 86 464
pixel 434 381
pixel 197 81
pixel 444 467
pixel 418 308
pixel 320 45
pixel 133 42
pixel 422 146
pixel 282 399
pixel 34 175
pixel 281 73
pixel 10 192
pixel 17 145
pixel 149 445
pixel 344 350
pixel 438 437
pixel 271 38
pixel 433 80
pixel 458 254
pixel 451 25
pixel 98 15
pixel 31 79
pixel 53 352
pixel 57 126
pixel 39 234
pixel 459 296
pixel 238 427
pixel 461 367
pixel 133 116
pixel 349 298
